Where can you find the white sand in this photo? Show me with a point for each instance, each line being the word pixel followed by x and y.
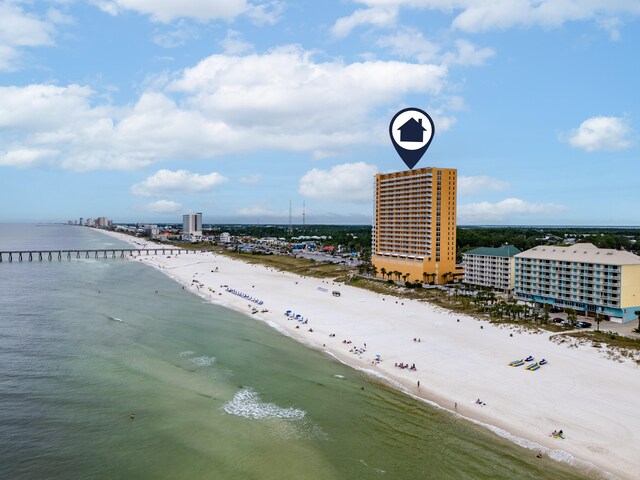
pixel 593 399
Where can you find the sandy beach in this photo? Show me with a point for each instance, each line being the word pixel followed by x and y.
pixel 458 359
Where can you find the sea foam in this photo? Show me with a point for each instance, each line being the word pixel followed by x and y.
pixel 203 361
pixel 246 403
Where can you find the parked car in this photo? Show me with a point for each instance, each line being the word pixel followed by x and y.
pixel 558 320
pixel 583 324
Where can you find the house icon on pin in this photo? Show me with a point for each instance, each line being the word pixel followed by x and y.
pixel 412 131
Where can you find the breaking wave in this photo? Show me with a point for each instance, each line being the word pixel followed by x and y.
pixel 203 361
pixel 246 403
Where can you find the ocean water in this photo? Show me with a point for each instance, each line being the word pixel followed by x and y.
pixel 215 394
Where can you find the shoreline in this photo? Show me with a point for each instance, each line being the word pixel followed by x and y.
pixel 459 359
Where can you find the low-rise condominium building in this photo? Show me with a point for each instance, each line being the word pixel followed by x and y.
pixel 590 280
pixel 490 267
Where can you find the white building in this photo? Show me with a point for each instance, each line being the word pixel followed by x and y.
pixel 152 231
pixel 225 237
pixel 490 267
pixel 192 227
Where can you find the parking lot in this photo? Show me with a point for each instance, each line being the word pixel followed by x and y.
pixel 323 257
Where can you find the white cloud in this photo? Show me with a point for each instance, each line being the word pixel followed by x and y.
pixel 505 210
pixel 180 35
pixel 167 10
pixel 262 210
pixel 163 206
pixel 233 44
pixel 90 137
pixel 612 27
pixel 266 13
pixel 251 179
pixel 480 16
pixel 181 181
pixel 19 29
pixel 349 182
pixel 23 158
pixel 601 134
pixel 284 99
pixel 377 16
pixel 281 100
pixel 472 185
pixel 411 43
pixel 468 54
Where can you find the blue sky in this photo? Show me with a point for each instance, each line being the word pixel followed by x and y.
pixel 141 110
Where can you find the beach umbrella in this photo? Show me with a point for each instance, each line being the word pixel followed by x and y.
pixel 378 356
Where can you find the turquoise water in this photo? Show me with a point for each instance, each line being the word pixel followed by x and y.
pixel 215 394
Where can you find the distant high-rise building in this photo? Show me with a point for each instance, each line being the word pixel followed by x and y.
pixel 414 224
pixel 192 227
pixel 81 221
pixel 102 221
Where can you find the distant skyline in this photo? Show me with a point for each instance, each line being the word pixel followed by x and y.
pixel 141 111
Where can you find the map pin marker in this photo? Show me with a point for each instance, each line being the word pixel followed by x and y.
pixel 411 131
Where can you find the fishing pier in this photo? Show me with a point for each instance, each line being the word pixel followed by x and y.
pixel 50 255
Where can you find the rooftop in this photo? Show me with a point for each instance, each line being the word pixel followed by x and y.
pixel 581 252
pixel 503 251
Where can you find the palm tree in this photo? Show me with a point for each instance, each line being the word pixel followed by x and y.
pixel 490 296
pixel 637 314
pixel 598 319
pixel 374 271
pixel 405 276
pixel 398 274
pixel 424 277
pixel 499 309
pixel 546 316
pixel 572 316
pixel 383 272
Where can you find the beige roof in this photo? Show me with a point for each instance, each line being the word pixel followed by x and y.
pixel 581 252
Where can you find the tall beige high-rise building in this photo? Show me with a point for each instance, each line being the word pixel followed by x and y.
pixel 414 224
pixel 192 227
